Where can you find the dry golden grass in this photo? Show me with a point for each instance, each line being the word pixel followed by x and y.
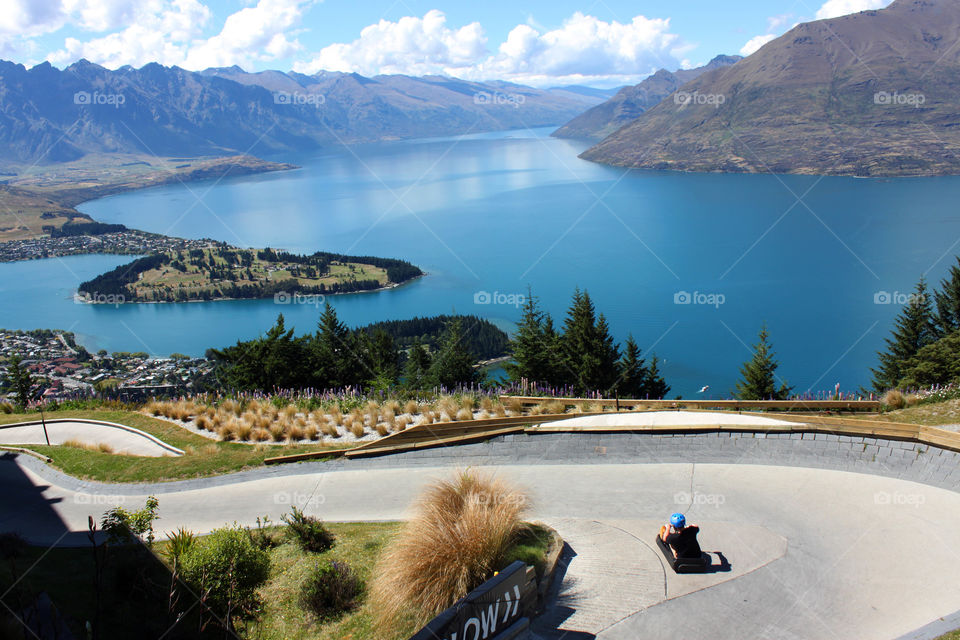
pixel 101 447
pixel 401 423
pixel 894 399
pixel 260 435
pixel 382 429
pixel 388 414
pixel 457 537
pixel 411 407
pixel 311 432
pixel 464 414
pixel 331 430
pixel 513 405
pixel 356 428
pixel 391 405
pixel 554 406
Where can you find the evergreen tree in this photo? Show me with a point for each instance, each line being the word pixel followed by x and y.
pixel 913 330
pixel 656 387
pixel 589 352
pixel 276 359
pixel 333 350
pixel 633 372
pixel 947 300
pixel 18 378
pixel 453 363
pixel 383 358
pixel 533 346
pixel 417 366
pixel 758 375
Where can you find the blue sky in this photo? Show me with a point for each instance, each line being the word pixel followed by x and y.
pixel 601 42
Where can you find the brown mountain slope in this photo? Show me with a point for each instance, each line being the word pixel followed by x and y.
pixel 629 103
pixel 874 93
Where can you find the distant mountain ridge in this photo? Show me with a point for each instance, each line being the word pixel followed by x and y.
pixel 52 115
pixel 869 94
pixel 630 102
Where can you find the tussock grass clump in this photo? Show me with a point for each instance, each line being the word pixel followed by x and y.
pixel 387 415
pixel 513 405
pixel 400 423
pixel 356 428
pixel 457 538
pixel 6 407
pixel 411 407
pixel 276 431
pixel 295 432
pixel 311 432
pixel 231 406
pixel 912 399
pixel 259 435
pixel 554 406
pixel 228 431
pixel 464 414
pixel 205 423
pixel 391 405
pixel 100 447
pixel 894 399
pixel 382 429
pixel 486 403
pixel 331 430
pixel 499 410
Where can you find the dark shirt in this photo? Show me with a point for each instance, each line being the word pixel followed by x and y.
pixel 685 543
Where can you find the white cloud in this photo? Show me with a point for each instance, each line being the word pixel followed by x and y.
pixel 583 49
pixel 262 27
pixel 30 17
pixel 411 45
pixel 169 32
pixel 755 43
pixel 834 8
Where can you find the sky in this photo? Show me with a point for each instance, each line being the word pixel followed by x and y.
pixel 602 43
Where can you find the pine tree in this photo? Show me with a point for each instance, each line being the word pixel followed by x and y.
pixel 589 353
pixel 529 348
pixel 333 351
pixel 633 372
pixel 656 387
pixel 417 366
pixel 947 319
pixel 19 379
pixel 759 374
pixel 381 358
pixel 913 330
pixel 453 363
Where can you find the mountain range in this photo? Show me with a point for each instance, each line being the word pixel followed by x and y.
pixel 875 93
pixel 52 115
pixel 629 103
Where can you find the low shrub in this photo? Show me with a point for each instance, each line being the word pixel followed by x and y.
pixel 227 568
pixel 309 532
pixel 331 589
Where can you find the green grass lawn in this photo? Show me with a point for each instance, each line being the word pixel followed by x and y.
pixel 204 457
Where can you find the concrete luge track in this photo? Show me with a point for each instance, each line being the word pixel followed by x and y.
pixel 824 537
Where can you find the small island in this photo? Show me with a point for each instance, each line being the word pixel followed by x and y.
pixel 211 270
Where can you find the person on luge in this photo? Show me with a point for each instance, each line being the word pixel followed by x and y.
pixel 681 537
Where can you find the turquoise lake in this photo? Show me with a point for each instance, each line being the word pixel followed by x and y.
pixel 497 212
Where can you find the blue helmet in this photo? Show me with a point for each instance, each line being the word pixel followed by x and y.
pixel 678 520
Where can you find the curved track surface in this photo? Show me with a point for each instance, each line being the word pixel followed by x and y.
pixel 122 439
pixel 812 553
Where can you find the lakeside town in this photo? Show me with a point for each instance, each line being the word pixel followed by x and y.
pixel 127 242
pixel 66 370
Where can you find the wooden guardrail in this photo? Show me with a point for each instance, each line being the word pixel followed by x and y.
pixel 639 404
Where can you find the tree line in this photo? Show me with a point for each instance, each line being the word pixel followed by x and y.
pixel 924 346
pixel 581 355
pixel 335 356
